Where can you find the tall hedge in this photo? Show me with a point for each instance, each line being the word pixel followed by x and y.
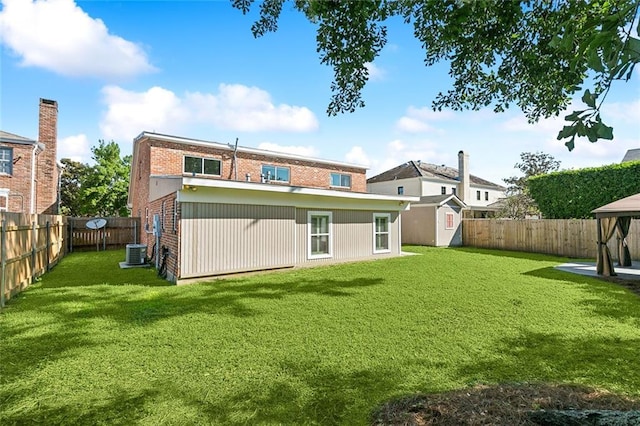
pixel 575 193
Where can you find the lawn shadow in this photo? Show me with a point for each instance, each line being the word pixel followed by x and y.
pixel 609 298
pixel 71 315
pixel 305 394
pixel 124 408
pixel 540 357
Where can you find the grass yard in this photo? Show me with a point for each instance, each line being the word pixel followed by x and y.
pixel 94 344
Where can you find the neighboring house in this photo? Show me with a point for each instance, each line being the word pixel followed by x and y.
pixel 29 173
pixel 422 179
pixel 221 209
pixel 435 220
pixel 631 155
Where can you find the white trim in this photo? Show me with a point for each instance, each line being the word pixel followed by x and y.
pixel 232 184
pixel 388 217
pixel 230 147
pixel 330 232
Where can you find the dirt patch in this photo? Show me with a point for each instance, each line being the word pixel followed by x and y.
pixel 496 405
pixel 633 285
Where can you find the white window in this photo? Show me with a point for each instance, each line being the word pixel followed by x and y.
pixel 486 195
pixel 202 166
pixel 162 215
pixel 175 214
pixel 381 232
pixel 280 174
pixel 477 195
pixel 449 221
pixel 319 235
pixel 340 180
pixel 401 190
pixel 4 199
pixel 6 160
pixel 443 190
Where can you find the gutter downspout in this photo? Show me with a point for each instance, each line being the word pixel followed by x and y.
pixel 33 179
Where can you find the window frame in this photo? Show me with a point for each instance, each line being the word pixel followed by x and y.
pixel 454 190
pixel 9 161
pixel 310 215
pixel 386 216
pixel 4 193
pixel 341 176
pixel 443 190
pixel 276 168
pixel 486 195
pixel 478 195
pixel 448 215
pixel 202 166
pixel 401 190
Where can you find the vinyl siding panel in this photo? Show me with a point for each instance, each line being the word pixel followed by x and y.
pixel 352 233
pixel 226 238
pixel 419 225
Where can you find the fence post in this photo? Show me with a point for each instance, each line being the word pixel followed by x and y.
pixel 3 248
pixel 48 244
pixel 34 236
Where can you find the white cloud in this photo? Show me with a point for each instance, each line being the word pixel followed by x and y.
pixel 130 113
pixel 249 109
pixel 627 112
pixel 75 148
pixel 375 72
pixel 305 151
pixel 234 107
pixel 417 120
pixel 59 36
pixel 356 155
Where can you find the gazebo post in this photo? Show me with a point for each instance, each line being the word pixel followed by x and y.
pixel 599 267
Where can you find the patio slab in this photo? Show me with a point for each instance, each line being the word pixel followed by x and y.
pixel 589 268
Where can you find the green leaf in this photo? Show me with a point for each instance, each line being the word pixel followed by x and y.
pixel 594 62
pixel 589 99
pixel 604 131
pixel 566 132
pixel 570 144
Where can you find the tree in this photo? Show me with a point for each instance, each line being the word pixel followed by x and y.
pixel 106 185
pixel 519 204
pixel 71 182
pixel 536 54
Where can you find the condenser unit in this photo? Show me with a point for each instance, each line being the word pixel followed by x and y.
pixel 136 254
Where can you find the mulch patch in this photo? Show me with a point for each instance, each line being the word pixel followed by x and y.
pixel 496 405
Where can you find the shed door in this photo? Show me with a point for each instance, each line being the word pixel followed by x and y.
pixel 224 238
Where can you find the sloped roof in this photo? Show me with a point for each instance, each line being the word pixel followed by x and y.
pixel 440 200
pixel 413 169
pixel 629 206
pixel 12 138
pixel 632 155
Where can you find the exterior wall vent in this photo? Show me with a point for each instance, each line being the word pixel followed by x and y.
pixel 136 254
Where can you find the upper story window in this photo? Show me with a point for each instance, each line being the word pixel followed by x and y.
pixel 477 195
pixel 202 166
pixel 401 190
pixel 280 174
pixel 340 180
pixel 6 160
pixel 486 195
pixel 443 190
pixel 453 190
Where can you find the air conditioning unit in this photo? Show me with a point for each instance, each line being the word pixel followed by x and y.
pixel 136 254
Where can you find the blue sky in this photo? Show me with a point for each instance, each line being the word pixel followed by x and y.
pixel 193 69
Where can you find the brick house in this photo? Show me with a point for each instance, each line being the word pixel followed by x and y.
pixel 222 209
pixel 29 173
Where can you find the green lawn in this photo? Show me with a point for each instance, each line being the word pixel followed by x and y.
pixel 93 344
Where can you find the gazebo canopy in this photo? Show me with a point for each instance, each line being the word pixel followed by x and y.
pixel 629 206
pixel 615 218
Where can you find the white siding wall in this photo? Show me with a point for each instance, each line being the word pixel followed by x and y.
pixel 494 195
pixel 411 187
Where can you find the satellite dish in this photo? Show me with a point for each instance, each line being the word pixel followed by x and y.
pixel 96 223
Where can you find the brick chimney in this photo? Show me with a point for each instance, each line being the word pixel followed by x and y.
pixel 464 189
pixel 47 169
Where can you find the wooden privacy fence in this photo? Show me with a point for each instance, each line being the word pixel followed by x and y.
pixel 29 246
pixel 117 233
pixel 563 237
